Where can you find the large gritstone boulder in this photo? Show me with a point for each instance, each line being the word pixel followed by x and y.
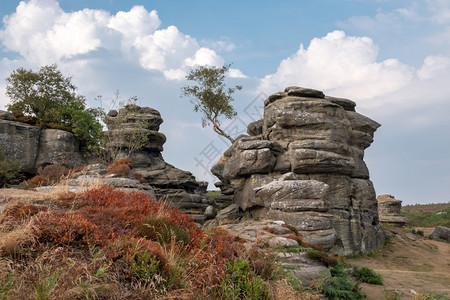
pixel 303 164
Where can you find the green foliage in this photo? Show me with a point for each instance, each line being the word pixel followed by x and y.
pixel 214 194
pixel 241 283
pixel 6 285
pixel 43 288
pixel 339 284
pixel 210 96
pixel 434 296
pixel 393 294
pixel 428 219
pixel 49 99
pixel 144 266
pixel 418 232
pixel 9 170
pixel 367 275
pixel 163 231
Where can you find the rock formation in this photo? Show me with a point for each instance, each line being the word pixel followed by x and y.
pixel 303 164
pixel 35 147
pixel 389 210
pixel 173 185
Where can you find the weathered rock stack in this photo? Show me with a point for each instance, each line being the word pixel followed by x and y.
pixel 303 164
pixel 177 187
pixel 389 210
pixel 34 147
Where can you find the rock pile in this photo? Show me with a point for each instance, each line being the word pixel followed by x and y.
pixel 179 188
pixel 389 210
pixel 303 164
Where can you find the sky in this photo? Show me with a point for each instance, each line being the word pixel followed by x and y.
pixel 392 57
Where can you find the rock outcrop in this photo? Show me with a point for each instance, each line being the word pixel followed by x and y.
pixel 303 164
pixel 34 147
pixel 389 210
pixel 179 188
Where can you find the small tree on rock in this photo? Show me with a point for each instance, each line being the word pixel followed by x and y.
pixel 49 99
pixel 211 96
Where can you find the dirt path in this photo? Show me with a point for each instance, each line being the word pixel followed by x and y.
pixel 410 264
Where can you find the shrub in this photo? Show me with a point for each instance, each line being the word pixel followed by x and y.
pixel 9 170
pixel 139 177
pixel 339 285
pixel 367 275
pixel 241 283
pixel 144 266
pixel 120 167
pixel 163 231
pixel 53 173
pixel 323 257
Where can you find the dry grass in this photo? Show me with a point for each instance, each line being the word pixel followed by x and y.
pixel 85 246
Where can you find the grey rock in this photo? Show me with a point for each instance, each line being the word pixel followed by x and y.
pixel 231 211
pixel 281 242
pixel 346 104
pixel 34 147
pixel 307 168
pixel 304 92
pixel 294 195
pixel 255 128
pixel 58 147
pixel 210 212
pixel 6 115
pixel 441 232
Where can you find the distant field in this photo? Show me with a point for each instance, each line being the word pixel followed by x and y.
pixel 427 215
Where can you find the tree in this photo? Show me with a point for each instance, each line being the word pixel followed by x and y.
pixel 211 96
pixel 50 98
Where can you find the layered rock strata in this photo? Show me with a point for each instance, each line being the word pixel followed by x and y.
pixel 303 164
pixel 179 188
pixel 35 147
pixel 389 210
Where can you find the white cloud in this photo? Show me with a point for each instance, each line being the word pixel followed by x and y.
pixel 42 33
pixel 341 65
pixel 433 65
pixel 236 73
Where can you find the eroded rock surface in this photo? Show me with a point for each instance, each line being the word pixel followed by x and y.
pixel 34 147
pixel 303 164
pixel 178 187
pixel 389 210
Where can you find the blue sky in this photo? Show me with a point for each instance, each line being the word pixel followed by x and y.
pixel 391 57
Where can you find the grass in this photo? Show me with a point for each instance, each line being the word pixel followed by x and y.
pixel 438 217
pixel 214 194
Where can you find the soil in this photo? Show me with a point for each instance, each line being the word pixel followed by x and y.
pixel 410 264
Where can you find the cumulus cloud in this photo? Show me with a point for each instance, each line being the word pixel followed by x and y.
pixel 341 65
pixel 42 33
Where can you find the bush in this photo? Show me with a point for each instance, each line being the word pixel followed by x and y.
pixel 323 257
pixel 163 231
pixel 367 275
pixel 10 172
pixel 120 167
pixel 241 283
pixel 340 286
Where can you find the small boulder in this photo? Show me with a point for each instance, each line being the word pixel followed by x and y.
pixel 210 212
pixel 441 232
